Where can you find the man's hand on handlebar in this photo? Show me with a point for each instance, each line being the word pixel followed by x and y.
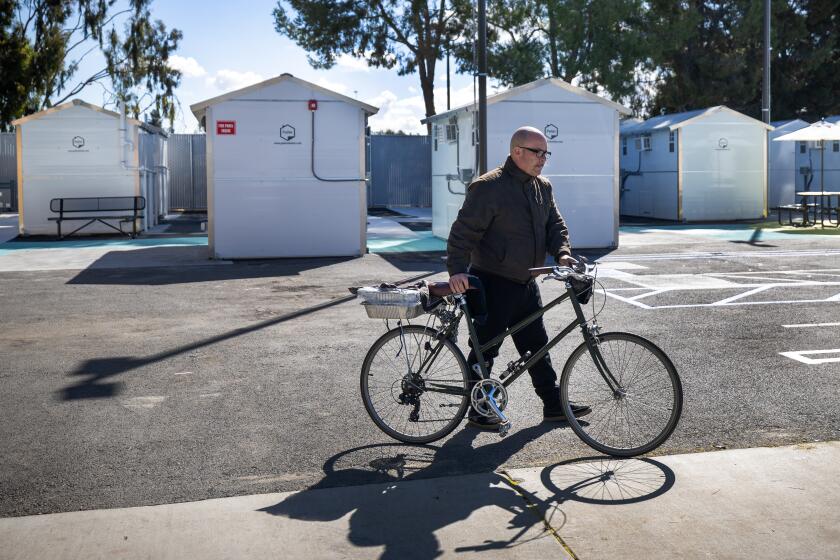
pixel 459 283
pixel 567 260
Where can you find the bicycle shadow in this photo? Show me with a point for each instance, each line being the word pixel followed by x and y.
pixel 404 518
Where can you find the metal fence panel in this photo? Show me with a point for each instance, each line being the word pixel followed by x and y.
pixel 153 164
pixel 187 172
pixel 199 171
pixel 401 171
pixel 8 172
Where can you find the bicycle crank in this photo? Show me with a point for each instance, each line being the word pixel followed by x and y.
pixel 489 398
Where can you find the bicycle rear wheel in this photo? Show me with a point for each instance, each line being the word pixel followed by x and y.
pixel 641 414
pixel 409 405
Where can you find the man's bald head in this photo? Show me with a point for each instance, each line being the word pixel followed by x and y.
pixel 524 135
pixel 525 144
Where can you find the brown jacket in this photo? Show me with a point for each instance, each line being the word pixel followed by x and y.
pixel 508 222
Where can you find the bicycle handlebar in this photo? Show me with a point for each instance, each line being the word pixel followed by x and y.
pixel 561 272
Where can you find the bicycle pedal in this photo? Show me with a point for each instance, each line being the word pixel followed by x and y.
pixel 504 428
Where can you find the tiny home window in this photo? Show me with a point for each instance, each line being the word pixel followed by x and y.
pixel 671 141
pixel 802 147
pixel 643 143
pixel 452 130
pixel 475 130
pixel 835 147
pixel 624 146
pixel 435 132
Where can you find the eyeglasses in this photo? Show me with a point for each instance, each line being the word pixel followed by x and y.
pixel 539 153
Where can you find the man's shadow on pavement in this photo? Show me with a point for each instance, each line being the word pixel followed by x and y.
pixel 403 518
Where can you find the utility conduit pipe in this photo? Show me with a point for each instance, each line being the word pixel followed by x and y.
pixel 126 145
pixel 312 159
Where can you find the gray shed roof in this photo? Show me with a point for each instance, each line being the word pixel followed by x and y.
pixel 79 103
pixel 679 120
pixel 200 108
pixel 513 92
pixel 788 122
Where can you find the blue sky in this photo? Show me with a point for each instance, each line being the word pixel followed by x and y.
pixel 230 45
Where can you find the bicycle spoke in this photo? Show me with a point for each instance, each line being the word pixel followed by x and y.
pixel 638 418
pixel 395 390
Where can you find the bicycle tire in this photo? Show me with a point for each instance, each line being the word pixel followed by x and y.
pixel 645 373
pixel 383 390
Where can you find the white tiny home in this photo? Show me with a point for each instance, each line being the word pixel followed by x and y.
pixel 582 131
pixel 79 150
pixel 285 171
pixel 784 177
pixel 709 164
pixel 808 163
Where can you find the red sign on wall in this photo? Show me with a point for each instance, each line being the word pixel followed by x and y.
pixel 225 127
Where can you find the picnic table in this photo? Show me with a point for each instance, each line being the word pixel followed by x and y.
pixel 825 206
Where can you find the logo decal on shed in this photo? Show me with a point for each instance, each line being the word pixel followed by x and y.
pixel 551 131
pixel 78 143
pixel 723 143
pixel 287 132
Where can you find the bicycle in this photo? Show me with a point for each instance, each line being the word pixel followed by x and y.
pixel 416 388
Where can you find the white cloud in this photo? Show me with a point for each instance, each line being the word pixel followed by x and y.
pixel 229 80
pixel 397 114
pixel 352 64
pixel 188 66
pixel 334 86
pixel 405 114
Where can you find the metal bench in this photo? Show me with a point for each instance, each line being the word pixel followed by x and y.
pixel 803 209
pixel 8 196
pixel 99 209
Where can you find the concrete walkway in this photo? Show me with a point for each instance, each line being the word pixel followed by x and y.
pixel 738 504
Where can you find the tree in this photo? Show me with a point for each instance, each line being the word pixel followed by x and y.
pixel 409 36
pixel 711 53
pixel 806 59
pixel 596 44
pixel 42 43
pixel 515 55
pixel 599 44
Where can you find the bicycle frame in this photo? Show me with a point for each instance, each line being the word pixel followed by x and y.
pixel 480 349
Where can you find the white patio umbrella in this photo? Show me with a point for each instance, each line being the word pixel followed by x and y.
pixel 818 132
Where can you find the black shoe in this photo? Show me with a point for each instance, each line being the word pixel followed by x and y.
pixel 555 413
pixel 482 422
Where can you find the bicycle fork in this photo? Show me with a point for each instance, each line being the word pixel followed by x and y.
pixel 601 364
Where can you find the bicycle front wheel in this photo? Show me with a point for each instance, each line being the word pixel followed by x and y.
pixel 642 411
pixel 414 386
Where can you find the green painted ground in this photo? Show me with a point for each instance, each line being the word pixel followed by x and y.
pixel 12 246
pixel 426 242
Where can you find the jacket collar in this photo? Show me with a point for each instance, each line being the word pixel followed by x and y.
pixel 513 170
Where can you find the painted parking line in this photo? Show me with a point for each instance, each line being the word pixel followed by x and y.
pixel 802 356
pixel 720 255
pixel 807 325
pixel 748 283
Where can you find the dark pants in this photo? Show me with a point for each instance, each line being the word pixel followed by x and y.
pixel 508 303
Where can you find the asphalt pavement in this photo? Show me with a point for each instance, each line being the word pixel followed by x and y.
pixel 146 375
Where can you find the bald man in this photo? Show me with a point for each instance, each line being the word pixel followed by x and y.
pixel 509 223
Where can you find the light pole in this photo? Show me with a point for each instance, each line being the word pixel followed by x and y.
pixel 765 103
pixel 482 87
